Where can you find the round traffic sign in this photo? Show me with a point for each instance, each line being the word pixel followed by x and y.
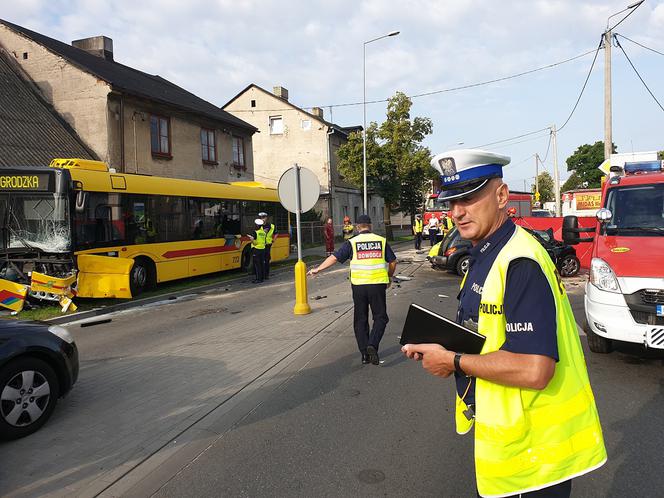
pixel 309 189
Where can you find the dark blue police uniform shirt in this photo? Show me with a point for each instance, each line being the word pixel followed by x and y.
pixel 528 304
pixel 345 252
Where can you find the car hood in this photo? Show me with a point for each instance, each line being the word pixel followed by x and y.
pixel 633 256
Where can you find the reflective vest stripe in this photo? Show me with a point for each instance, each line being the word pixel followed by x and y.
pixel 357 266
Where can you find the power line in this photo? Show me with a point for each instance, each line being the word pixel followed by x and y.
pixel 511 138
pixel 434 92
pixel 637 73
pixel 584 86
pixel 629 14
pixel 519 142
pixel 639 44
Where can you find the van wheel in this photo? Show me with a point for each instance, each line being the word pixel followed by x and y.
pixel 247 262
pixel 596 343
pixel 142 276
pixel 569 266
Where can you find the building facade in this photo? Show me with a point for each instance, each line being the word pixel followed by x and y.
pixel 287 135
pixel 134 121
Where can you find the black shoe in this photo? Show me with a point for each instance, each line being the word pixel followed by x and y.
pixel 365 359
pixel 373 355
pixel 254 281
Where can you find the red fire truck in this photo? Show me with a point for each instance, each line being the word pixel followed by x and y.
pixel 433 207
pixel 624 298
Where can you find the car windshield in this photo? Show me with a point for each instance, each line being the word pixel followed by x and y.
pixel 433 204
pixel 637 211
pixel 35 221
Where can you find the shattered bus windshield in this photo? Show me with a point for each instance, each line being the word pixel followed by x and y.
pixel 35 221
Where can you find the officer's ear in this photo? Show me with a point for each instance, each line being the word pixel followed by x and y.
pixel 502 194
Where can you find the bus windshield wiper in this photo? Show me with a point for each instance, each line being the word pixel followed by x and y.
pixel 642 229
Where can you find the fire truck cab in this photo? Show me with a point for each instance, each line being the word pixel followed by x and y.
pixel 624 298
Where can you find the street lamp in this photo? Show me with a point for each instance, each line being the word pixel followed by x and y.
pixel 608 132
pixel 364 109
pixel 454 144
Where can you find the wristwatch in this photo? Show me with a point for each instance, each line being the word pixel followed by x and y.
pixel 457 365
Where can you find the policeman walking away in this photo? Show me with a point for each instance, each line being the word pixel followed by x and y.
pixel 258 237
pixel 527 394
pixel 268 228
pixel 372 264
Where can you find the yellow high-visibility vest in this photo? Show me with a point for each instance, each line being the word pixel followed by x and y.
pixel 368 265
pixel 527 439
pixel 418 226
pixel 259 239
pixel 269 235
pixel 348 231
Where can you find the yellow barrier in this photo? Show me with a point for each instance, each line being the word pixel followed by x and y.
pixel 103 276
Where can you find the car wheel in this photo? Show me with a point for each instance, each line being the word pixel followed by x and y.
pixel 596 343
pixel 29 390
pixel 569 266
pixel 141 277
pixel 462 265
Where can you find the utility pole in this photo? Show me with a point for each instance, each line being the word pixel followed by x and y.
pixel 536 172
pixel 556 176
pixel 608 135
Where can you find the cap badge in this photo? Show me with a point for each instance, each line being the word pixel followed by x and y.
pixel 447 166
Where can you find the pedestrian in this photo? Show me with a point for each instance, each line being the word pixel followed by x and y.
pixel 433 230
pixel 347 228
pixel 446 225
pixel 417 231
pixel 372 264
pixel 269 229
pixel 527 394
pixel 258 237
pixel 328 232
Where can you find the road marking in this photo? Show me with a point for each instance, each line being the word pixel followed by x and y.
pixel 442 295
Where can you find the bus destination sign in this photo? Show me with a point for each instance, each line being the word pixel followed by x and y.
pixel 25 181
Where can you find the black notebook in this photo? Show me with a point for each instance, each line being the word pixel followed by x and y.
pixel 425 326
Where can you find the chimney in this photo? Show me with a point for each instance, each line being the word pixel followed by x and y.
pixel 280 92
pixel 101 46
pixel 317 111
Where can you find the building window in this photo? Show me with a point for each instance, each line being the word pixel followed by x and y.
pixel 253 103
pixel 160 136
pixel 208 146
pixel 238 152
pixel 306 124
pixel 276 125
pixel 356 212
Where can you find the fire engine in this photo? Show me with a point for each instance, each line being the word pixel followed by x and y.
pixel 624 298
pixel 433 207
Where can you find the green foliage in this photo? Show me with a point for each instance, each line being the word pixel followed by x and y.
pixel 660 155
pixel 398 166
pixel 585 161
pixel 572 183
pixel 311 215
pixel 546 191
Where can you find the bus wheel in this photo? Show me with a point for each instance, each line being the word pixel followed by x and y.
pixel 247 263
pixel 142 276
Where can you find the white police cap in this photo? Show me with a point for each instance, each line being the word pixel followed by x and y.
pixel 258 221
pixel 465 171
pixel 262 214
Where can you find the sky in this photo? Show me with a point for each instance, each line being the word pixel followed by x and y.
pixel 315 50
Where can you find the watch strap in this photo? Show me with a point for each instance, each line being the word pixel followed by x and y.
pixel 457 365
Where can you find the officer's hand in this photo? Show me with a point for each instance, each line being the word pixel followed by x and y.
pixel 435 358
pixel 313 271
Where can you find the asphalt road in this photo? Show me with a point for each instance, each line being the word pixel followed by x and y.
pixel 228 394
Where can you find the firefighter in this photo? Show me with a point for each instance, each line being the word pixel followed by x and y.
pixel 347 228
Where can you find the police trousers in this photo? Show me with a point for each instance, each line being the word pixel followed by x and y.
pixel 364 297
pixel 266 260
pixel 259 263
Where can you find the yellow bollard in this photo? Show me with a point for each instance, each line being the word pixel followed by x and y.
pixel 301 299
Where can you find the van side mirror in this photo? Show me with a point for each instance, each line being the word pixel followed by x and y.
pixel 81 201
pixel 604 215
pixel 571 231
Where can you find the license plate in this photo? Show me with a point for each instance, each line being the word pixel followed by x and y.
pixel 660 310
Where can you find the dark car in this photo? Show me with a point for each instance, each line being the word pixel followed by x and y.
pixel 563 255
pixel 38 365
pixel 453 253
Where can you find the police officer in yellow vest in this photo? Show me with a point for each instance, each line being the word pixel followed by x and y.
pixel 418 227
pixel 527 394
pixel 258 238
pixel 372 264
pixel 269 237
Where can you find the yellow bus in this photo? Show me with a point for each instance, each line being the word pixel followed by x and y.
pixel 170 228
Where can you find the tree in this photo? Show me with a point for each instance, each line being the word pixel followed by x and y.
pixel 585 161
pixel 545 187
pixel 572 183
pixel 398 165
pixel 660 155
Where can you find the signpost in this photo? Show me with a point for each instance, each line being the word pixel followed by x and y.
pixel 298 192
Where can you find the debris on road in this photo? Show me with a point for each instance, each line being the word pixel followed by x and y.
pixel 319 297
pixel 402 277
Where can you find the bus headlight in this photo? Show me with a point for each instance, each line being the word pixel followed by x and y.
pixel 602 276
